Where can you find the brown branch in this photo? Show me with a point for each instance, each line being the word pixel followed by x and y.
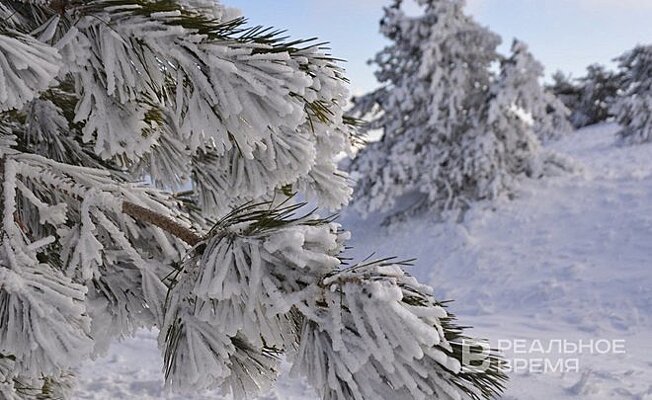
pixel 167 224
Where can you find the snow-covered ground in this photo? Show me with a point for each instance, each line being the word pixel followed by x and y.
pixel 569 261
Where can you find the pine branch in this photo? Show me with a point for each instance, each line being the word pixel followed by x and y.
pixel 167 224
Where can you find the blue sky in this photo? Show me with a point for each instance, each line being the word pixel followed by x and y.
pixel 563 34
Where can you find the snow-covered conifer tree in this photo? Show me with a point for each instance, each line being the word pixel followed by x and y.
pixel 568 91
pixel 633 108
pixel 598 91
pixel 550 117
pixel 106 106
pixel 435 75
pixel 590 97
pixel 441 147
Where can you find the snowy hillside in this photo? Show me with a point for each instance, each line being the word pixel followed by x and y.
pixel 567 260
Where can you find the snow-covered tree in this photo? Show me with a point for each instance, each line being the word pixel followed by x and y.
pixel 109 106
pixel 566 89
pixel 549 114
pixel 443 144
pixel 598 91
pixel 633 108
pixel 590 97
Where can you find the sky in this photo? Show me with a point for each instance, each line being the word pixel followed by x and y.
pixel 565 35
